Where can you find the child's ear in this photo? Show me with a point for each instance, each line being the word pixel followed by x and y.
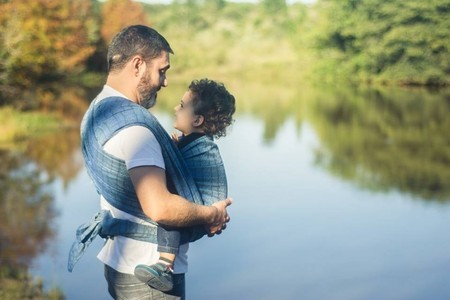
pixel 199 120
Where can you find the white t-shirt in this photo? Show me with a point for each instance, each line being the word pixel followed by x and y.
pixel 137 146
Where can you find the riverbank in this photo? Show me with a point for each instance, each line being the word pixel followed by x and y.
pixel 18 125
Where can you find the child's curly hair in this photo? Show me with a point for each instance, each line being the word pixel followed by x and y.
pixel 215 104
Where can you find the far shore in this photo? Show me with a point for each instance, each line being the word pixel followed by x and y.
pixel 18 125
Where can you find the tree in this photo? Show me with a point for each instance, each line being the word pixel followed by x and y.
pixel 117 14
pixel 402 41
pixel 45 38
pixel 274 6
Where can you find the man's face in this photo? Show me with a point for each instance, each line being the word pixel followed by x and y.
pixel 153 79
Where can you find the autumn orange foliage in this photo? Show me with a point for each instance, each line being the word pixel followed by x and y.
pixel 45 38
pixel 117 14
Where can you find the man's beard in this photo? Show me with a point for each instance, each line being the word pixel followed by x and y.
pixel 147 93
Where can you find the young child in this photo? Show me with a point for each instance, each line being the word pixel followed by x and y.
pixel 205 111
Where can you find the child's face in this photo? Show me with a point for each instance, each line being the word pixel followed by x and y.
pixel 185 119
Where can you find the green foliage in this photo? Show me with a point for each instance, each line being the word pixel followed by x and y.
pixel 393 42
pixel 233 40
pixel 404 42
pixel 274 6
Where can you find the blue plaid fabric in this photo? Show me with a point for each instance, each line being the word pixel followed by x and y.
pixel 204 161
pixel 205 164
pixel 110 175
pixel 106 226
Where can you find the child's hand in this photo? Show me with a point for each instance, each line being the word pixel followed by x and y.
pixel 175 137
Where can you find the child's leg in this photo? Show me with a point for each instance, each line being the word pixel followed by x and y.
pixel 167 258
pixel 168 240
pixel 159 275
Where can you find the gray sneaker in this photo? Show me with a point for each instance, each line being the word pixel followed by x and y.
pixel 158 276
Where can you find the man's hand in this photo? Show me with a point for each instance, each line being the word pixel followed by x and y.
pixel 221 218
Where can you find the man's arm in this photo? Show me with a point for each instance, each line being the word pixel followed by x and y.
pixel 170 209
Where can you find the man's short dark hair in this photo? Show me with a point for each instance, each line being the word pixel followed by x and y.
pixel 212 100
pixel 135 40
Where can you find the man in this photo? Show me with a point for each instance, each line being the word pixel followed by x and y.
pixel 137 157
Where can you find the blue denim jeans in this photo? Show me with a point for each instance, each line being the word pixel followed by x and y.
pixel 128 287
pixel 170 238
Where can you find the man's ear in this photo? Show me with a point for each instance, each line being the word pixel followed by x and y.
pixel 138 64
pixel 199 120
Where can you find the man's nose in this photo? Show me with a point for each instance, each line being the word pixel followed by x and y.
pixel 164 82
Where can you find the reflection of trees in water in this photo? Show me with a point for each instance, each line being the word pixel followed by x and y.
pixel 24 189
pixel 57 97
pixel 57 154
pixel 382 139
pixel 386 139
pixel 26 214
pixel 28 168
pixel 26 209
pixel 69 101
pixel 271 102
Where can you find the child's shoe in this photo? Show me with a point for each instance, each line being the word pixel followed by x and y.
pixel 158 276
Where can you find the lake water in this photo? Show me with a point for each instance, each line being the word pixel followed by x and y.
pixel 345 197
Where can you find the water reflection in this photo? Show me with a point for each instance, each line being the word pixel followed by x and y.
pixel 26 214
pixel 380 139
pixel 26 210
pixel 27 172
pixel 386 139
pixel 56 154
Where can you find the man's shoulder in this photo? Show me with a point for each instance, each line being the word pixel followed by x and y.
pixel 137 146
pixel 134 132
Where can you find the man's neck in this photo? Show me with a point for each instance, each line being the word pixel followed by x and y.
pixel 121 84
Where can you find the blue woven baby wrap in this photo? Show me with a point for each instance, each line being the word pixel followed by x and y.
pixel 205 164
pixel 110 175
